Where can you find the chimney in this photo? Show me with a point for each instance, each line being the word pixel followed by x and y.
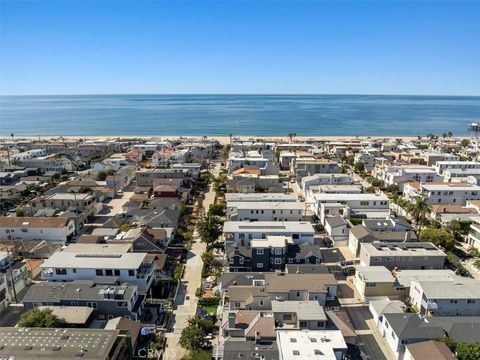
pixel 231 320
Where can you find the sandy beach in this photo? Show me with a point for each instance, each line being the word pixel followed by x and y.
pixel 224 140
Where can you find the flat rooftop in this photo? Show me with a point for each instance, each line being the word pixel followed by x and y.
pixel 42 343
pixel 94 260
pixel 310 344
pixel 98 248
pixel 267 205
pixel 305 310
pixel 268 226
pixel 239 197
pixel 403 248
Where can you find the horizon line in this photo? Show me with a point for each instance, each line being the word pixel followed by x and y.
pixel 240 94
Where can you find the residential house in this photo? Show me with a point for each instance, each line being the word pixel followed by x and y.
pixel 259 294
pixel 337 229
pixel 386 232
pixel 430 349
pixel 247 325
pixel 301 168
pixel 51 229
pixel 300 315
pixel 400 330
pixel 106 300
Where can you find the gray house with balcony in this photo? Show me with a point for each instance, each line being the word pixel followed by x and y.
pixel 107 300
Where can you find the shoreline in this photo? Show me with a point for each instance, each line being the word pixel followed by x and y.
pixel 222 139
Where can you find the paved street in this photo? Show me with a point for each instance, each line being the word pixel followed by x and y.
pixel 372 345
pixel 185 304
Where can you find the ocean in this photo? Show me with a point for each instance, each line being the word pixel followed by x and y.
pixel 237 114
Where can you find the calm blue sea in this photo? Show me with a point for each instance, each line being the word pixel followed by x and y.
pixel 237 114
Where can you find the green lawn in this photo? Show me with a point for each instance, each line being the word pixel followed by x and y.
pixel 210 309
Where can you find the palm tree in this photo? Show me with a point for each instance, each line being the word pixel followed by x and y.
pixel 290 135
pixel 12 135
pixel 230 136
pixel 419 210
pixel 444 135
pixel 450 134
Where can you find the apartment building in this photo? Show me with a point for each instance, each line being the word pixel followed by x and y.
pixel 397 174
pixel 446 298
pixel 53 162
pixel 311 344
pixel 51 229
pixel 367 205
pixel 265 211
pixel 64 343
pixel 324 179
pixel 474 233
pixel 260 197
pixel 146 177
pixel 242 232
pixel 444 193
pixel 30 154
pixel 378 281
pixel 442 166
pixel 301 168
pixel 97 261
pixel 404 255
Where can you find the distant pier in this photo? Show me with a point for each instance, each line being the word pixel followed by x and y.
pixel 474 126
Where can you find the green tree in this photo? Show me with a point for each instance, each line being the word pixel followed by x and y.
pixel 464 143
pixel 208 226
pixel 394 189
pixel 39 318
pixel 204 324
pixel 101 176
pixel 467 351
pixel 359 166
pixel 19 212
pixel 84 190
pixel 461 226
pixel 125 227
pixel 217 209
pixel 197 355
pixel 419 211
pixel 439 237
pixel 192 337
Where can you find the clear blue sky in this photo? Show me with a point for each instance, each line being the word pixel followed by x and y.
pixel 376 47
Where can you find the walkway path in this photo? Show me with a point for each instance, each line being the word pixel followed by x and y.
pixel 185 304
